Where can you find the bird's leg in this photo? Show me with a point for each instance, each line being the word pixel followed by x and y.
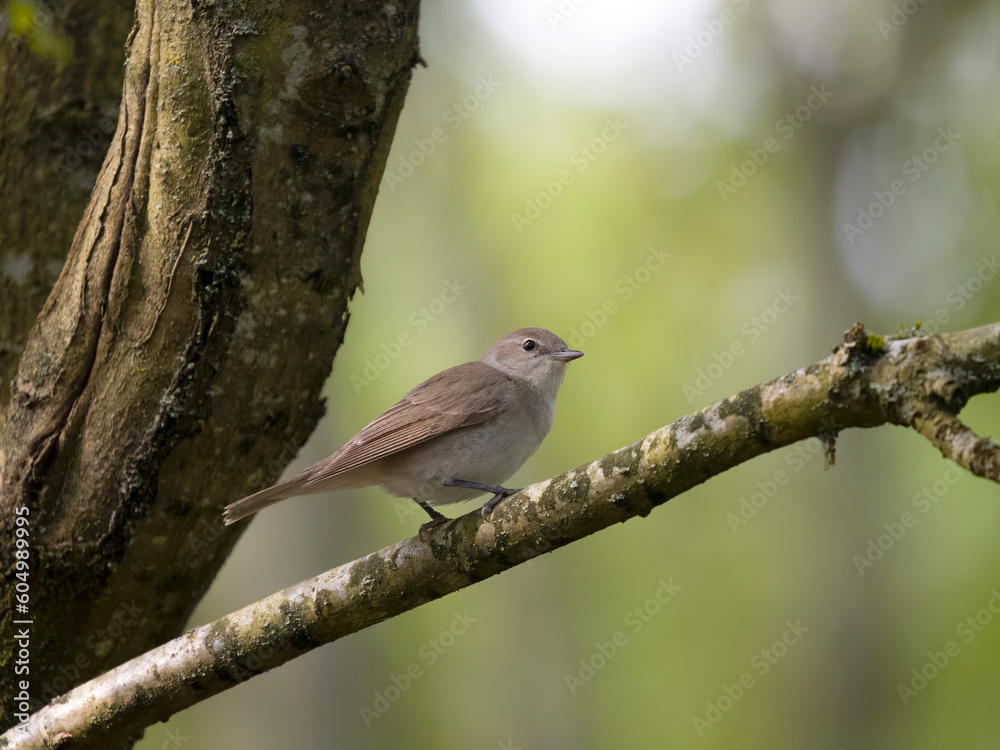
pixel 495 501
pixel 499 493
pixel 436 518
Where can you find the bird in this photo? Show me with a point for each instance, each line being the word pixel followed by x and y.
pixel 459 434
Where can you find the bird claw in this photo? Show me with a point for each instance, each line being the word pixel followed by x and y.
pixel 431 525
pixel 494 501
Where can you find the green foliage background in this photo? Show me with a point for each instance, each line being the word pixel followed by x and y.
pixel 686 124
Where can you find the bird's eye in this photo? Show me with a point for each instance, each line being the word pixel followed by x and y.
pixel 528 344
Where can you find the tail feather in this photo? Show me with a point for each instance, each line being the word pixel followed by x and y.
pixel 308 482
pixel 259 500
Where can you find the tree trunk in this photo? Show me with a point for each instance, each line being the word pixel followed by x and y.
pixel 178 361
pixel 60 86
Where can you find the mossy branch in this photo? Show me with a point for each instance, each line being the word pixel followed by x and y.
pixel 919 382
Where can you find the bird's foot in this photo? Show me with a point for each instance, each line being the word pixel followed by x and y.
pixel 499 493
pixel 494 501
pixel 437 519
pixel 431 525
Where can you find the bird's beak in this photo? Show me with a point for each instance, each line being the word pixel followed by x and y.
pixel 567 356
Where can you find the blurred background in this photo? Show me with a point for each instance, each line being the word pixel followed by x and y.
pixel 657 182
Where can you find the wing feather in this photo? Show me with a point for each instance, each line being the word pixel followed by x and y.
pixel 458 397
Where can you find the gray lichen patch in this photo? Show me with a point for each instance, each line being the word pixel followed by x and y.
pixel 621 463
pixel 747 405
pixel 572 488
pixel 368 574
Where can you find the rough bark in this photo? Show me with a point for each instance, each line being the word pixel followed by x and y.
pixel 60 86
pixel 178 362
pixel 918 382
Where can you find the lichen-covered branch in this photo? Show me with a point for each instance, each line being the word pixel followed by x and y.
pixel 921 382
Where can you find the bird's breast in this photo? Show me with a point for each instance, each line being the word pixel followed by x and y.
pixel 488 453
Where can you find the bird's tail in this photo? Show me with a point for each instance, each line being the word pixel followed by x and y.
pixel 260 500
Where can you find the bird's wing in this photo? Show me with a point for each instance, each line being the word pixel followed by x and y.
pixel 458 397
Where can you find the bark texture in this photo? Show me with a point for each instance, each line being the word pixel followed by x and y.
pixel 178 361
pixel 60 87
pixel 866 382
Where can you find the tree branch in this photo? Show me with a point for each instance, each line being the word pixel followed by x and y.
pixel 920 382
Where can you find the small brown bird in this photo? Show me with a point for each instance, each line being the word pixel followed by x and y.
pixel 453 437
